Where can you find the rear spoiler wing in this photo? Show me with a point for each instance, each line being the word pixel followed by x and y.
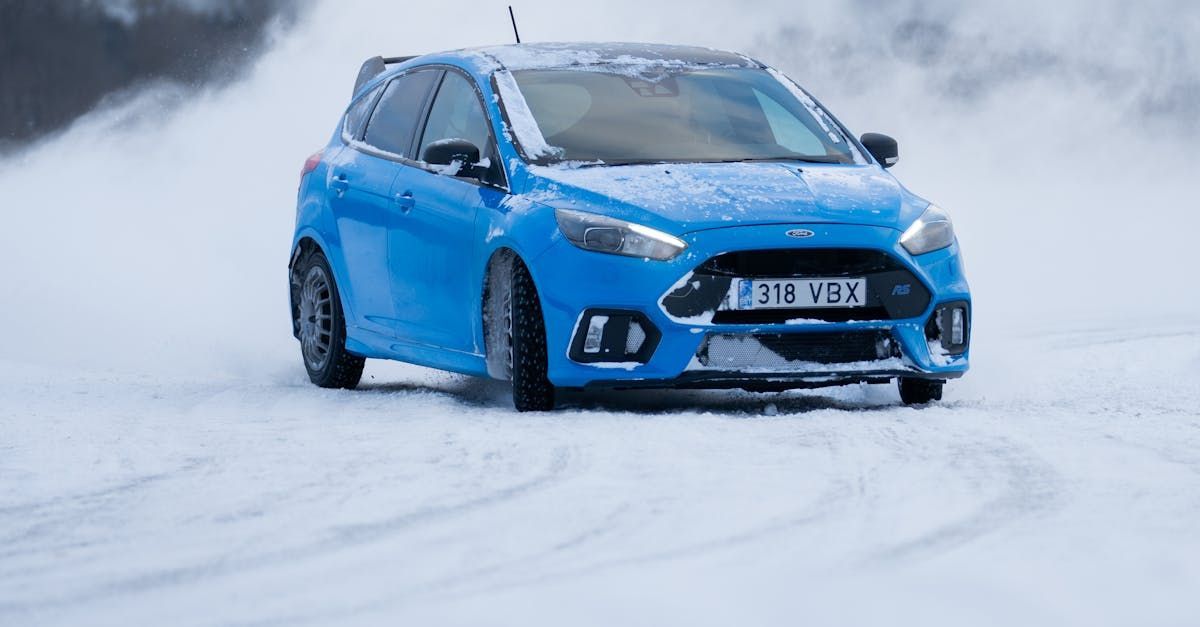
pixel 374 67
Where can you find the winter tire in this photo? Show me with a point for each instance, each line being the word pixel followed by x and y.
pixel 919 391
pixel 531 388
pixel 321 327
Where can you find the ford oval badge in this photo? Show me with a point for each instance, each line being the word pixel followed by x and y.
pixel 800 233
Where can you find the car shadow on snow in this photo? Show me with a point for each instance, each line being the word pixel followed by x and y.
pixel 732 402
pixel 490 394
pixel 471 391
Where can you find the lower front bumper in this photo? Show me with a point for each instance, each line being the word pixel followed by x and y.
pixel 768 382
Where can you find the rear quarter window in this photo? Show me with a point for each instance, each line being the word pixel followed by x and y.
pixel 356 116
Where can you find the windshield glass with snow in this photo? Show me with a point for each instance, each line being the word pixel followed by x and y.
pixel 697 115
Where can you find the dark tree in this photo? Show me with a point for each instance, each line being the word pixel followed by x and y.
pixel 58 58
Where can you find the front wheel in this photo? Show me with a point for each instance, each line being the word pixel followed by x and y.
pixel 919 391
pixel 321 327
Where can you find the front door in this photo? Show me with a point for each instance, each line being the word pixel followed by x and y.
pixel 433 249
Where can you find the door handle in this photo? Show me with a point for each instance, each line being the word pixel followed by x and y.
pixel 405 202
pixel 339 184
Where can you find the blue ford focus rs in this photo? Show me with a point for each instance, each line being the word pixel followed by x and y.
pixel 614 216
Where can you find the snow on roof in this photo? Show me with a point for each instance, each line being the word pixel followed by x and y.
pixel 559 55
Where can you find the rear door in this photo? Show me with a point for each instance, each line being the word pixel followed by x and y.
pixel 433 249
pixel 364 206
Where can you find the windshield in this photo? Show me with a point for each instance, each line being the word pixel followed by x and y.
pixel 694 115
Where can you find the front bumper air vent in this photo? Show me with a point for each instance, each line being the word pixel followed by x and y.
pixel 614 336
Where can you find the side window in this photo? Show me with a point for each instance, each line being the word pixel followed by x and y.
pixel 395 118
pixel 457 114
pixel 356 115
pixel 790 132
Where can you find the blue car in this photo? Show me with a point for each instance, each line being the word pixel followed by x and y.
pixel 614 216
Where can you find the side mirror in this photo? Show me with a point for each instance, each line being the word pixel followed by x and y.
pixel 883 148
pixel 451 152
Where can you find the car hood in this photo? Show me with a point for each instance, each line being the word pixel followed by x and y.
pixel 696 196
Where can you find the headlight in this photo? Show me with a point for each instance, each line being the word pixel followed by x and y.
pixel 932 231
pixel 602 234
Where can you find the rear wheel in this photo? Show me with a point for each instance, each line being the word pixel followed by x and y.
pixel 919 391
pixel 526 344
pixel 321 327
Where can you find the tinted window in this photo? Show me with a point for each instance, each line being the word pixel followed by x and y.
pixel 457 114
pixel 669 114
pixel 356 115
pixel 395 119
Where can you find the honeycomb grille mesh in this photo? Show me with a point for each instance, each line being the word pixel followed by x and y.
pixel 794 351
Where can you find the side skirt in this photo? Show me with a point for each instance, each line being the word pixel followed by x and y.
pixel 378 346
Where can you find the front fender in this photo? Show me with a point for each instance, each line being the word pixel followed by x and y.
pixel 516 224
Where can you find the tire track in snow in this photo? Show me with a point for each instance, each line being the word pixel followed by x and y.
pixel 41 517
pixel 840 492
pixel 92 495
pixel 1033 488
pixel 823 508
pixel 578 540
pixel 459 585
pixel 343 538
pixel 1108 337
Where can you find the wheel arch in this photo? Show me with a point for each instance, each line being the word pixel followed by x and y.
pixel 307 242
pixel 301 249
pixel 497 273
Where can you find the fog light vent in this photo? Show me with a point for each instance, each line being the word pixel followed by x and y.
pixel 633 341
pixel 614 336
pixel 951 327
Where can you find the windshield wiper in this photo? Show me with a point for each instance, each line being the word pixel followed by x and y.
pixel 597 164
pixel 773 159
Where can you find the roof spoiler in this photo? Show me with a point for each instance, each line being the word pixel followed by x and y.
pixel 374 67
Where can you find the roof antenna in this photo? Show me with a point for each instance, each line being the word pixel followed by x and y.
pixel 513 17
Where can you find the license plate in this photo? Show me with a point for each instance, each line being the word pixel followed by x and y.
pixel 801 293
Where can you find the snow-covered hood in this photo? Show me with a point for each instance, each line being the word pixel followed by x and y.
pixel 697 196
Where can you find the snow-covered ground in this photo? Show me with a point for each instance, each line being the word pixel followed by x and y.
pixel 163 459
pixel 1061 491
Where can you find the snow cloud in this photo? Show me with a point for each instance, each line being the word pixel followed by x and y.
pixel 152 236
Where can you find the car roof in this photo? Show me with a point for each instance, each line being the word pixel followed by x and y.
pixel 484 61
pixel 557 55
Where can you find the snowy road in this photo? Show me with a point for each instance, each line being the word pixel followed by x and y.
pixel 1066 491
pixel 1058 484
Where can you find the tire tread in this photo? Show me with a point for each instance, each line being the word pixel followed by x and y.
pixel 919 391
pixel 531 387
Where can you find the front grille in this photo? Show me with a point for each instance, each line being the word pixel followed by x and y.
pixel 781 352
pixel 893 292
pixel 804 262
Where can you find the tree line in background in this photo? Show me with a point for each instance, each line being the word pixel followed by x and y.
pixel 59 58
